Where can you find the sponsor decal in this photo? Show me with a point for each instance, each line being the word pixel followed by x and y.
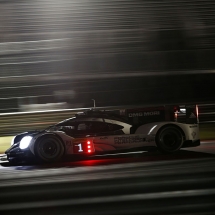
pixel 133 139
pixel 125 140
pixel 148 113
pixel 135 114
pixel 192 115
pixel 152 113
pixel 193 134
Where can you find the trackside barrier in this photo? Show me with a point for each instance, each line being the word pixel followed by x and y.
pixel 13 123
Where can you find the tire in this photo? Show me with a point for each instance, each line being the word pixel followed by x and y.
pixel 49 148
pixel 169 139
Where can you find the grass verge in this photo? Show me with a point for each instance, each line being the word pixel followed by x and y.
pixel 5 143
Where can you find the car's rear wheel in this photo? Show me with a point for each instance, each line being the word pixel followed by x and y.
pixel 49 148
pixel 169 139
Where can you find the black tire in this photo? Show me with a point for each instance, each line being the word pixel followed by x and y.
pixel 49 148
pixel 169 139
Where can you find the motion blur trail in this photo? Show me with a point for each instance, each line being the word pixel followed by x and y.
pixel 175 186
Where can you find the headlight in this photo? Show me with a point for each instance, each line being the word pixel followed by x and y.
pixel 12 141
pixel 25 141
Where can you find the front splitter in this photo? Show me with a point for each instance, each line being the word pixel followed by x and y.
pixel 3 158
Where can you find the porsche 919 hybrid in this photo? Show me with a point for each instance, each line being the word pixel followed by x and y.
pixel 96 132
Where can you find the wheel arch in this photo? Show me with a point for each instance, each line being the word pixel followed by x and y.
pixel 161 146
pixel 49 134
pixel 54 134
pixel 170 125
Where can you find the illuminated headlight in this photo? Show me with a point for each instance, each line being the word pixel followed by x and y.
pixel 12 141
pixel 25 141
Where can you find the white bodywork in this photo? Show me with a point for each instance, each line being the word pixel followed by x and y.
pixel 191 131
pixel 144 136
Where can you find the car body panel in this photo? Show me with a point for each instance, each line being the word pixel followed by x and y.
pixel 191 131
pixel 118 142
pixel 96 134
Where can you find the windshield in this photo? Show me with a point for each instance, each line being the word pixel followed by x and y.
pixel 64 123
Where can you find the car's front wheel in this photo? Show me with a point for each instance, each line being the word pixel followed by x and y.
pixel 169 139
pixel 49 148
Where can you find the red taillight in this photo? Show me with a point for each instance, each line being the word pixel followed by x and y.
pixel 89 146
pixel 84 146
pixel 176 109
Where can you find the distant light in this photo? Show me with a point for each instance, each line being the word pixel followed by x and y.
pixel 88 147
pixel 89 150
pixel 88 142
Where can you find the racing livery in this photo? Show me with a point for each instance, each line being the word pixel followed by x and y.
pixel 94 132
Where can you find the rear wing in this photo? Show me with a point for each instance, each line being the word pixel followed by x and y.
pixel 186 114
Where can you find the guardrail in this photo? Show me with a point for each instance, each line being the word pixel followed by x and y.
pixel 13 123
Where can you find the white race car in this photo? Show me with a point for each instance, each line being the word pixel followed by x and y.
pixel 95 132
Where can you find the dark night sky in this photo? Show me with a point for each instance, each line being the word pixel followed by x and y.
pixel 117 52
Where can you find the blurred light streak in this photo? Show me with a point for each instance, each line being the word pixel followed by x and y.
pixel 31 86
pixel 33 62
pixel 26 76
pixel 22 97
pixel 107 199
pixel 105 39
pixel 95 75
pixel 122 153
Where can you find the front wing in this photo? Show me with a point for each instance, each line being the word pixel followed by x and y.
pixel 3 158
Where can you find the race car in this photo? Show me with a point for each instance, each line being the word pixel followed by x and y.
pixel 95 132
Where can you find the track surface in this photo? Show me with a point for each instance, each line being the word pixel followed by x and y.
pixel 136 183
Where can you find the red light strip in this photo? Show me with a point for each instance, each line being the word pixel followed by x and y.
pixel 89 146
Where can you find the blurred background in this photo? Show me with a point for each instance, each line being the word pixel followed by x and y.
pixel 62 54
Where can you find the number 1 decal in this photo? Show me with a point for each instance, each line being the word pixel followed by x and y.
pixel 83 147
pixel 80 147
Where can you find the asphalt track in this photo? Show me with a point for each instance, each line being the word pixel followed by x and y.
pixel 134 183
